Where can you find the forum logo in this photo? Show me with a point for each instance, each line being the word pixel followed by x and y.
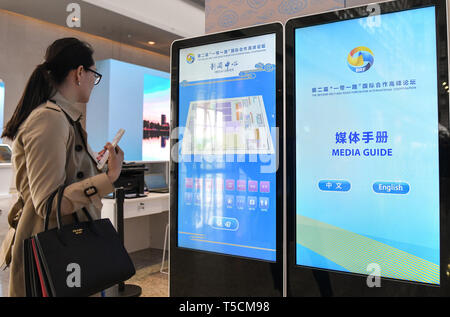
pixel 360 59
pixel 190 58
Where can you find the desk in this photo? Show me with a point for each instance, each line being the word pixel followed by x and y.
pixel 145 220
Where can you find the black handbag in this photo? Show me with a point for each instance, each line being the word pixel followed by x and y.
pixel 78 259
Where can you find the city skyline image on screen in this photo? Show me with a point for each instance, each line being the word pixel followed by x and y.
pixel 156 119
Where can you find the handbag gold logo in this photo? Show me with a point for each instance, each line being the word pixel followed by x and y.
pixel 77 231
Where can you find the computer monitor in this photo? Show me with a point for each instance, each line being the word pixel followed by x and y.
pixel 5 153
pixel 366 91
pixel 226 185
pixel 156 182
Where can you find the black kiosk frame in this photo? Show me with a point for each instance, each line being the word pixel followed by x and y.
pixel 309 281
pixel 204 273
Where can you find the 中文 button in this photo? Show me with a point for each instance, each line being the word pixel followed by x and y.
pixel 391 188
pixel 334 185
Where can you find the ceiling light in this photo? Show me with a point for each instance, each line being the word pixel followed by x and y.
pixel 151 42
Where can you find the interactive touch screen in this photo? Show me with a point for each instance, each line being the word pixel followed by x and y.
pixel 367 178
pixel 156 115
pixel 227 156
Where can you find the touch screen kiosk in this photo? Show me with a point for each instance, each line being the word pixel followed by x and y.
pixel 226 202
pixel 366 101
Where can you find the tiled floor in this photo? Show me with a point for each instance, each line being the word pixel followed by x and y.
pixel 148 276
pixel 4 280
pixel 147 263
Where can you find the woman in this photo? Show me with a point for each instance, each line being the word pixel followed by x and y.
pixel 50 148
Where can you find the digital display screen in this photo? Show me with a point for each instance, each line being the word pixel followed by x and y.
pixel 2 103
pixel 367 168
pixel 156 115
pixel 227 151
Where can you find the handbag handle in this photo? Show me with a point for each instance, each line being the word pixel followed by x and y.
pixel 48 208
pixel 58 208
pixel 49 204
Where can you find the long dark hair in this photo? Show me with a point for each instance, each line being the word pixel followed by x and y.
pixel 60 58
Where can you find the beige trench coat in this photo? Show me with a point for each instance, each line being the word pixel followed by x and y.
pixel 48 152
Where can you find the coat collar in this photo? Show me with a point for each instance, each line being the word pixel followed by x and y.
pixel 67 106
pixel 75 115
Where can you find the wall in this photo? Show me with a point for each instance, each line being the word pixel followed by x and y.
pixel 23 42
pixel 223 15
pixel 97 110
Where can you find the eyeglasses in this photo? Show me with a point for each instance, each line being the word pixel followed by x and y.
pixel 97 76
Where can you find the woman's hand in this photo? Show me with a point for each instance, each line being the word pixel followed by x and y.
pixel 115 160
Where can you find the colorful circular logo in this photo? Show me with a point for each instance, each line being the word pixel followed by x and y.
pixel 360 59
pixel 190 58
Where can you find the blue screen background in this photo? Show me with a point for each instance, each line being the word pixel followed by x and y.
pixel 256 233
